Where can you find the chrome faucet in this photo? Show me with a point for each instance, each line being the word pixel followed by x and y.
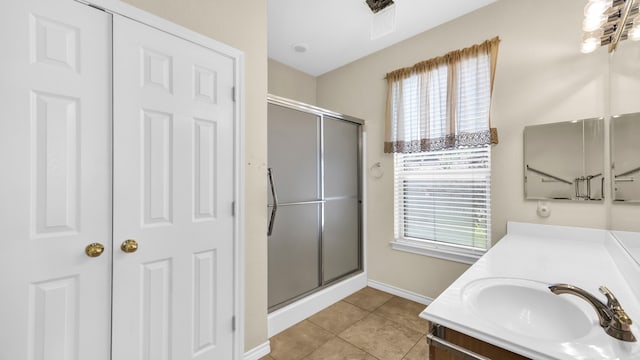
pixel 613 319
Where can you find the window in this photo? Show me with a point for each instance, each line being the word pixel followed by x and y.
pixel 443 202
pixel 438 129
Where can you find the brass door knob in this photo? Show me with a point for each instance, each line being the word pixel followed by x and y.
pixel 129 246
pixel 94 250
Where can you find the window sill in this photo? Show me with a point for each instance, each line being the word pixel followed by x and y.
pixel 440 251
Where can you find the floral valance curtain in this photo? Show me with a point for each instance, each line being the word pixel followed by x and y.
pixel 442 103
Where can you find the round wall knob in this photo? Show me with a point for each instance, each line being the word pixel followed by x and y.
pixel 129 246
pixel 94 250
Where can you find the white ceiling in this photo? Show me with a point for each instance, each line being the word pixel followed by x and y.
pixel 337 32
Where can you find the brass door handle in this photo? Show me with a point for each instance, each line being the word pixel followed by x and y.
pixel 129 246
pixel 94 249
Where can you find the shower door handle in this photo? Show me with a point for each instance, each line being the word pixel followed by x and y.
pixel 272 219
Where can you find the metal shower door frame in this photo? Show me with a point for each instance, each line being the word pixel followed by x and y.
pixel 321 113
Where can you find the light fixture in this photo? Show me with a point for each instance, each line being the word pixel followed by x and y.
pixel 634 33
pixel 589 45
pixel 596 7
pixel 377 5
pixel 592 23
pixel 607 22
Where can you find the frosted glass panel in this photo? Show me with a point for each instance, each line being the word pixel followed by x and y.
pixel 341 151
pixel 341 238
pixel 294 252
pixel 293 154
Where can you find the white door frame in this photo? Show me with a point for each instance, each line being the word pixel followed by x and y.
pixel 129 11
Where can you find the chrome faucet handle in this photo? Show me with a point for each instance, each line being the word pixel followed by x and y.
pixel 612 302
pixel 620 325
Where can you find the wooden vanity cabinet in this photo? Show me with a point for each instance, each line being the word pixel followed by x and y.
pixel 488 351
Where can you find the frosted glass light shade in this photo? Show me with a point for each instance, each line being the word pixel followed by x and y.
pixel 634 34
pixel 589 45
pixel 596 7
pixel 592 23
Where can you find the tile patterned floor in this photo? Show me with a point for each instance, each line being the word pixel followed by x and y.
pixel 368 325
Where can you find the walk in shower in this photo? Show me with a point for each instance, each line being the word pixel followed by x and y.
pixel 315 199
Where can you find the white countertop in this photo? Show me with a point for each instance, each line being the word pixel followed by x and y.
pixel 586 258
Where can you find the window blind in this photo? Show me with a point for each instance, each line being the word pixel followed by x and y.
pixel 443 197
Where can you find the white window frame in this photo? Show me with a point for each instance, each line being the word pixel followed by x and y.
pixel 434 247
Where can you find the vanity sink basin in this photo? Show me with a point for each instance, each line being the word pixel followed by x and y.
pixel 528 308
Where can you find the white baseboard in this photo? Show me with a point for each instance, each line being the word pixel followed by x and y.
pixel 292 314
pixel 258 352
pixel 400 292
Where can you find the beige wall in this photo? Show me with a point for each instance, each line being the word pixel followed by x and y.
pixel 541 78
pixel 243 25
pixel 290 83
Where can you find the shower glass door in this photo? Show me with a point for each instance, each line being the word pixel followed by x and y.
pixel 315 207
pixel 295 219
pixel 341 247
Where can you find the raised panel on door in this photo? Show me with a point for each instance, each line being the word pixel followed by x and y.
pixel 173 194
pixel 341 237
pixel 55 144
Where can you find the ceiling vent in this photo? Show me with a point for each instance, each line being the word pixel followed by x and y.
pixel 377 5
pixel 383 22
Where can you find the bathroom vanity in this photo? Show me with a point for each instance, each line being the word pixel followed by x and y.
pixel 502 307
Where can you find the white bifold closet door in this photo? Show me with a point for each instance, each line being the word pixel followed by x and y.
pixel 55 181
pixel 111 130
pixel 173 194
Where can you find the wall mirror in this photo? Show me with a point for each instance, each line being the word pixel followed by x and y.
pixel 625 157
pixel 564 160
